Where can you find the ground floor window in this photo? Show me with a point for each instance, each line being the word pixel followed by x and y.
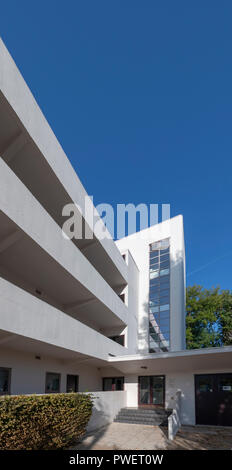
pixel 52 384
pixel 4 381
pixel 113 383
pixel 72 383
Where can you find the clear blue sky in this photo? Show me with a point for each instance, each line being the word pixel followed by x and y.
pixel 139 94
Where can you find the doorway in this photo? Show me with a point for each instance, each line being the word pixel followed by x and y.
pixel 151 391
pixel 213 397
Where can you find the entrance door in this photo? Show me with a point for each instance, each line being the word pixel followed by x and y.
pixel 214 399
pixel 152 390
pixel 72 383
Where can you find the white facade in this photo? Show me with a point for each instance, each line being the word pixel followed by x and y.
pixel 65 305
pixel 138 246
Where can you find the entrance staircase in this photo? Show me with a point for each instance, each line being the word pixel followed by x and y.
pixel 148 416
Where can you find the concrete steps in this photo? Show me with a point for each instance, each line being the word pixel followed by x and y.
pixel 148 416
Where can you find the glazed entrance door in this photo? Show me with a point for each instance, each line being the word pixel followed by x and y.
pixel 151 390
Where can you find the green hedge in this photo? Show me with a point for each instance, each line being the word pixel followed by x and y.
pixel 35 422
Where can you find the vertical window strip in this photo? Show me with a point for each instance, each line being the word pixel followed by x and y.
pixel 159 255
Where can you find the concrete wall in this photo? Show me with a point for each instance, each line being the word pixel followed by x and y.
pixel 28 373
pixel 106 407
pixel 174 420
pixel 138 244
pixel 25 315
pixel 21 207
pixel 131 387
pixel 185 383
pixel 174 382
pixel 131 292
pixel 133 304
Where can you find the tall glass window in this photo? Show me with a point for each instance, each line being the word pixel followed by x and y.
pixel 159 296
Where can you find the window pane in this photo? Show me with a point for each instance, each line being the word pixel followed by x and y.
pixel 155 345
pixel 154 283
pixel 159 295
pixel 157 390
pixel 153 308
pixel 154 274
pixel 154 290
pixel 164 329
pixel 52 382
pixel 155 246
pixel 164 272
pixel 119 383
pixel 144 390
pixel 225 384
pixel 107 384
pixel 164 301
pixel 205 384
pixel 164 313
pixel 154 262
pixel 164 246
pixel 164 265
pixel 166 335
pixel 164 280
pixel 164 257
pixel 164 307
pixel 154 286
pixel 113 383
pixel 164 325
pixel 164 293
pixel 4 381
pixel 154 296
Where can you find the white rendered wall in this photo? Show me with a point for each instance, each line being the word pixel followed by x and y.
pixel 21 207
pixel 138 244
pixel 173 382
pixel 184 382
pixel 28 374
pixel 25 315
pixel 131 292
pixel 133 304
pixel 106 407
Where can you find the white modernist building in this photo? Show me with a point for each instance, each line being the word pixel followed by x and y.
pixel 91 314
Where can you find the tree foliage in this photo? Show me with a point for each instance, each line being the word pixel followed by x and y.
pixel 208 317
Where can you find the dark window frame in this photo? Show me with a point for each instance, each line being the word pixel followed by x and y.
pixel 54 373
pixel 113 378
pixel 9 370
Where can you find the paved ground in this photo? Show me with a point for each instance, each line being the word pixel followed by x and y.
pixel 202 438
pixel 122 436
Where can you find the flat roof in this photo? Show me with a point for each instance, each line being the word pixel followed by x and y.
pixel 175 361
pixel 171 354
